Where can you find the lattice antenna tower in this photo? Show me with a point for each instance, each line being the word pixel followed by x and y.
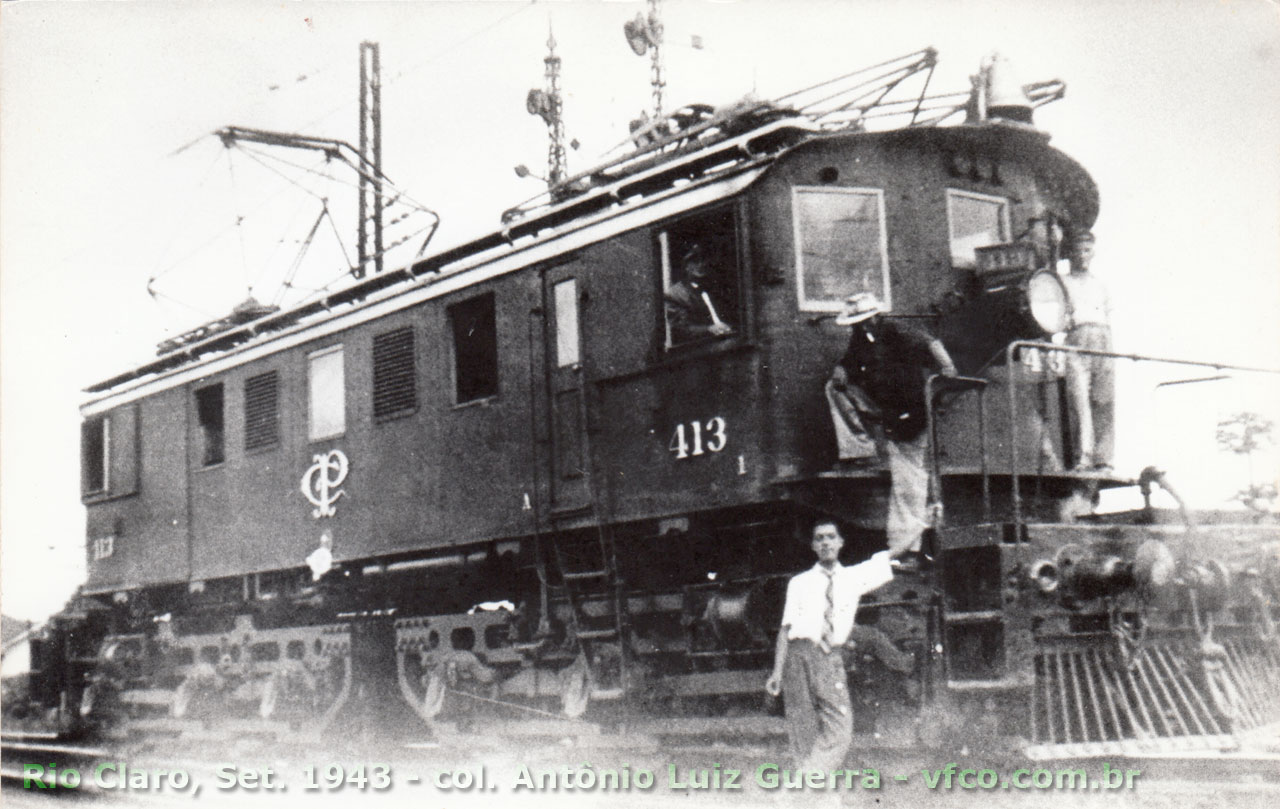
pixel 557 158
pixel 548 104
pixel 371 203
pixel 656 77
pixel 644 35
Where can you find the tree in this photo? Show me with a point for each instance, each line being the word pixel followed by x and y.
pixel 1244 434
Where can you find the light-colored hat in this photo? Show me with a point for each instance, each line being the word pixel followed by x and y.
pixel 858 308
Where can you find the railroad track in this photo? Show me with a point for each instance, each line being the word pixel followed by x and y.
pixel 55 757
pixel 1241 779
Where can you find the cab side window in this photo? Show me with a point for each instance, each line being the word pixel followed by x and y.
pixel 326 394
pixel 700 278
pixel 95 461
pixel 475 348
pixel 975 220
pixel 109 454
pixel 841 248
pixel 211 416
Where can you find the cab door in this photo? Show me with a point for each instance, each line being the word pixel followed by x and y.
pixel 567 461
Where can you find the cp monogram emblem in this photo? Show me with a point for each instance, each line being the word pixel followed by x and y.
pixel 321 481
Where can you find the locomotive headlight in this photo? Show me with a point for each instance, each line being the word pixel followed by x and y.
pixel 1046 302
pixel 1007 305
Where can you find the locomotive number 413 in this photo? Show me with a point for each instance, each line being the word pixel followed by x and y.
pixel 697 438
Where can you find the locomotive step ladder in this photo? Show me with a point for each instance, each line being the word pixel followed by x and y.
pixel 590 585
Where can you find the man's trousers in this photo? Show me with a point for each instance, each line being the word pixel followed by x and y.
pixel 851 413
pixel 819 715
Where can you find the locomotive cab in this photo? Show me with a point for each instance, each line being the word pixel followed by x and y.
pixel 934 210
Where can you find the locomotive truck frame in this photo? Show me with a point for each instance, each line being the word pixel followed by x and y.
pixel 491 484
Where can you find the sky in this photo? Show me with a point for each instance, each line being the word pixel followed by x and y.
pixel 110 177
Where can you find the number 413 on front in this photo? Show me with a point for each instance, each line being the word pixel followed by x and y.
pixel 698 437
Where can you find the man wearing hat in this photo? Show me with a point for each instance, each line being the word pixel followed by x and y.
pixel 1090 380
pixel 691 312
pixel 879 383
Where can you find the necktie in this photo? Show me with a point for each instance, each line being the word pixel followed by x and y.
pixel 829 616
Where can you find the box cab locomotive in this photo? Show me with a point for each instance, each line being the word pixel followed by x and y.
pixel 504 484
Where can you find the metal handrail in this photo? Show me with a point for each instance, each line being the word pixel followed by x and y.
pixel 1011 352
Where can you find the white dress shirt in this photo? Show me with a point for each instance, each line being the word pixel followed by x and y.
pixel 806 605
pixel 1089 303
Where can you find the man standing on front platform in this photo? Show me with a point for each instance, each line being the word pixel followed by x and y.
pixel 808 662
pixel 1091 380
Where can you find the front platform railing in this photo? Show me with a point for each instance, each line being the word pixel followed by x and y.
pixel 1011 358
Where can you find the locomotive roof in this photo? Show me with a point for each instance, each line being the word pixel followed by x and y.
pixel 645 186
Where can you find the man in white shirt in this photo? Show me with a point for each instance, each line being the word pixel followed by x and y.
pixel 808 665
pixel 1090 379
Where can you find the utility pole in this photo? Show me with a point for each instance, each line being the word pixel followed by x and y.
pixel 370 212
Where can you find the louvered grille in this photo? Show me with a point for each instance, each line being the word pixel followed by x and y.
pixel 394 383
pixel 261 421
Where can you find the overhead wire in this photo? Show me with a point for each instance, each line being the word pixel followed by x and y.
pixel 432 58
pixel 397 196
pixel 212 238
pixel 269 262
pixel 191 201
pixel 304 76
pixel 346 273
pixel 157 295
pixel 180 261
pixel 388 198
pixel 261 157
pixel 252 282
pixel 345 254
pixel 67 261
pixel 219 234
pixel 297 261
pixel 239 223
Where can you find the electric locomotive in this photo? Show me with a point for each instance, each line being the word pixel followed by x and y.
pixel 499 489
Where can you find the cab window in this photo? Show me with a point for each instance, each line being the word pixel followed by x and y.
pixel 326 394
pixel 840 246
pixel 211 416
pixel 475 348
pixel 701 297
pixel 975 220
pixel 109 457
pixel 95 462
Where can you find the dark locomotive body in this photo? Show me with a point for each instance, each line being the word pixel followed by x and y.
pixel 517 424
